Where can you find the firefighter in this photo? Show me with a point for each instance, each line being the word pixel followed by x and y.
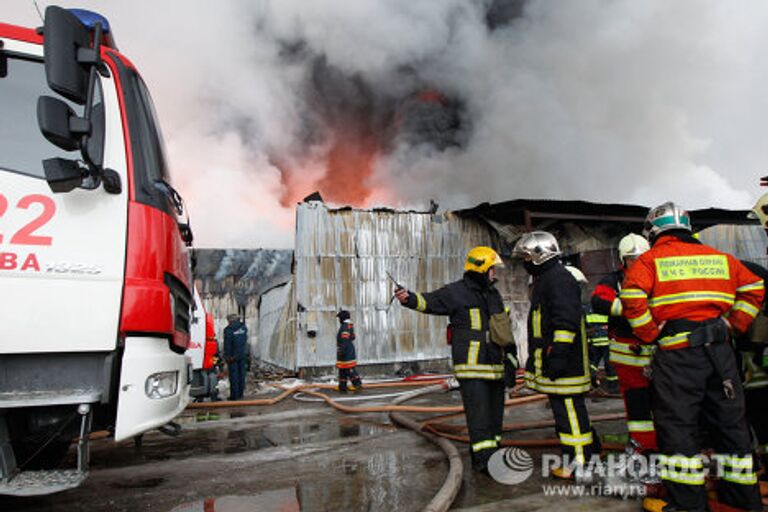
pixel 597 336
pixel 599 342
pixel 236 354
pixel 628 355
pixel 479 326
pixel 346 359
pixel 557 349
pixel 687 298
pixel 753 350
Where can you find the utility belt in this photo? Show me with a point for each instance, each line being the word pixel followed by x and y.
pixel 481 335
pixel 682 333
pixel 701 334
pixel 477 362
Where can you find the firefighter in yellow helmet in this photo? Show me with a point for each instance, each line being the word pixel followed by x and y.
pixel 479 334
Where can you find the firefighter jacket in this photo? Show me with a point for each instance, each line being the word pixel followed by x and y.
pixel 556 330
pixel 626 348
pixel 345 348
pixel 753 344
pixel 236 341
pixel 469 304
pixel 597 327
pixel 684 283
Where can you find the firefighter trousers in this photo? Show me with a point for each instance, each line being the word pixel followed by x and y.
pixel 757 417
pixel 599 353
pixel 688 388
pixel 577 439
pixel 636 392
pixel 236 379
pixel 346 374
pixel 484 410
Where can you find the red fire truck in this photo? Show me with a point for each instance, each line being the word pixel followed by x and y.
pixel 95 281
pixel 203 350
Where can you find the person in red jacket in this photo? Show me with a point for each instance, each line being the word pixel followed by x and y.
pixel 628 355
pixel 688 298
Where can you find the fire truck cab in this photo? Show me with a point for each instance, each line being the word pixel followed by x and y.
pixel 203 351
pixel 95 280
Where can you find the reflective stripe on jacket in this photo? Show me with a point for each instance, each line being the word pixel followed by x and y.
pixel 605 300
pixel 556 317
pixel 345 348
pixel 597 325
pixel 626 348
pixel 678 280
pixel 469 304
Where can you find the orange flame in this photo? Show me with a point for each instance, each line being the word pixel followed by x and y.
pixel 348 167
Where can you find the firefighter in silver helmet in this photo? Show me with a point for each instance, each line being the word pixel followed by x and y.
pixel 558 364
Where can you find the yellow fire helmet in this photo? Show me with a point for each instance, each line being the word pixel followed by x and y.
pixel 761 210
pixel 481 258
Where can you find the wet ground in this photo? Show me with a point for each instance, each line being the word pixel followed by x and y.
pixel 303 456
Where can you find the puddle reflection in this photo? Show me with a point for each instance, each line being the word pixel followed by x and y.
pixel 281 500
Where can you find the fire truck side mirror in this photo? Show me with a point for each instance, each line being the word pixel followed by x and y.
pixel 59 123
pixel 65 37
pixel 63 175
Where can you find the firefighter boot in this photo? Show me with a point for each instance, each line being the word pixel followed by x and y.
pixel 342 386
pixel 562 473
pixel 658 505
pixel 358 383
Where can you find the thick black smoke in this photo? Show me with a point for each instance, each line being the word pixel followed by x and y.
pixel 463 101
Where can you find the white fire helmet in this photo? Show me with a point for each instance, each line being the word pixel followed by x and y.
pixel 761 210
pixel 632 245
pixel 539 246
pixel 665 217
pixel 577 274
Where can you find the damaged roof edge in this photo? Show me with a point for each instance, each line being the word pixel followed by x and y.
pixel 312 199
pixel 523 212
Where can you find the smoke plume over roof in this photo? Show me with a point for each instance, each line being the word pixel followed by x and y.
pixel 460 101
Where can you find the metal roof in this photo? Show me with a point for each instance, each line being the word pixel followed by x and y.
pixel 528 212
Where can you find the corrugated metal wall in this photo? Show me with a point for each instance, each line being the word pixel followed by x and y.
pixel 341 260
pixel 342 257
pixel 744 242
pixel 277 326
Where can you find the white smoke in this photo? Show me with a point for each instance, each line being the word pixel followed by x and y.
pixel 604 100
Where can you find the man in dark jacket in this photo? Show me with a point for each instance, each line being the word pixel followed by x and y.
pixel 753 349
pixel 236 354
pixel 558 364
pixel 346 359
pixel 473 304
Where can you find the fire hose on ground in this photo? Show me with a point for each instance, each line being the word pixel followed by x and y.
pixel 441 501
pixel 436 430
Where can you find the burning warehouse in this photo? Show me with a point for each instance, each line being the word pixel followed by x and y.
pixel 343 257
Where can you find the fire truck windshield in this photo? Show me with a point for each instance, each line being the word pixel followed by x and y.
pixel 22 146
